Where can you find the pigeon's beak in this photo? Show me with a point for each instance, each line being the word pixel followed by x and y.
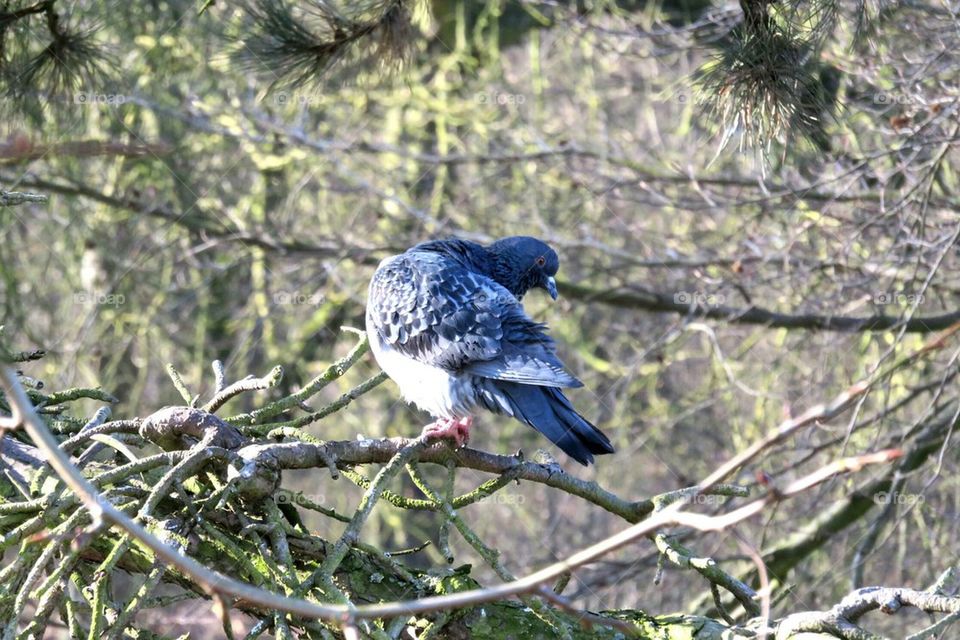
pixel 551 288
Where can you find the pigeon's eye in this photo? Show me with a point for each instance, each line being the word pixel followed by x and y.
pixel 541 261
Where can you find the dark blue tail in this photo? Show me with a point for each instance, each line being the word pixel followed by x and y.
pixel 548 411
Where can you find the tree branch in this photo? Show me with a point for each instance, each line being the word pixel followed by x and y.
pixel 214 583
pixel 638 298
pixel 842 618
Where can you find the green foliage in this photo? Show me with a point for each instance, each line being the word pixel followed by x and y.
pixel 297 45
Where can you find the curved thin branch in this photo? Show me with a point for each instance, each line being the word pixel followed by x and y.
pixel 249 383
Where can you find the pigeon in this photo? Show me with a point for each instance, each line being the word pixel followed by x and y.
pixel 446 323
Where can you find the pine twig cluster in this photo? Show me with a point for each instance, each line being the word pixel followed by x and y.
pixel 295 44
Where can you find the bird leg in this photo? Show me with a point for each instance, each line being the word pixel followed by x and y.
pixel 456 429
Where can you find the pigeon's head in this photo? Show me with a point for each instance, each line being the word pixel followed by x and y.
pixel 522 263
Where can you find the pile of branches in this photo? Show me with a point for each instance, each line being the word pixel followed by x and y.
pixel 189 499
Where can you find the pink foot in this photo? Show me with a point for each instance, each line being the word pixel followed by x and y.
pixel 457 430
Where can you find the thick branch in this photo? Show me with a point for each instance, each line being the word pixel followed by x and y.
pixel 346 453
pixel 841 619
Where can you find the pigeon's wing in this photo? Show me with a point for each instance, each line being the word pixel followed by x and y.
pixel 434 310
pixel 431 309
pixel 527 354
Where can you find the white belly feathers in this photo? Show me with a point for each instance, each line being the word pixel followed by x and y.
pixel 432 389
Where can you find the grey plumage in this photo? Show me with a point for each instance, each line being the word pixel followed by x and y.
pixel 446 323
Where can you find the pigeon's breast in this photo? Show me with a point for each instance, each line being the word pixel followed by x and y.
pixel 434 390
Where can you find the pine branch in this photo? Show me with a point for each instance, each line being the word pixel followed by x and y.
pixel 295 45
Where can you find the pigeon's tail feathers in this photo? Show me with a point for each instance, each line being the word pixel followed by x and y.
pixel 548 411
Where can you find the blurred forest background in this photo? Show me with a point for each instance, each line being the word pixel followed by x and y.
pixel 754 205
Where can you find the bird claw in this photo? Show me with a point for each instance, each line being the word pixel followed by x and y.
pixel 455 429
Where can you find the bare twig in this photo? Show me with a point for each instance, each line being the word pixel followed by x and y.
pixel 708 568
pixel 313 387
pixel 823 412
pixel 249 383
